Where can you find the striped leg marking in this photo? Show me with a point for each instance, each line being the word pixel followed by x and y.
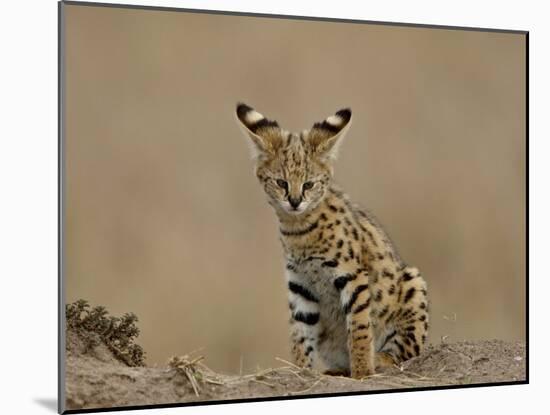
pixel 355 299
pixel 410 321
pixel 304 310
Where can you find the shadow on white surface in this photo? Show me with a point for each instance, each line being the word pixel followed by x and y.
pixel 48 403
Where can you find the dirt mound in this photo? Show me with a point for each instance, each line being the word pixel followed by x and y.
pixel 100 375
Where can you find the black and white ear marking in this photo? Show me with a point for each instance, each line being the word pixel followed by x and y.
pixel 326 136
pixel 253 120
pixel 265 134
pixel 335 123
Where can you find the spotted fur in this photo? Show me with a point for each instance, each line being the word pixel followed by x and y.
pixel 354 304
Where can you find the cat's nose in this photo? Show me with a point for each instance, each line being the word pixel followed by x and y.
pixel 295 202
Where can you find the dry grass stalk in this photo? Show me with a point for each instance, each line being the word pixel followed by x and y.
pixel 308 389
pixel 188 367
pixel 288 363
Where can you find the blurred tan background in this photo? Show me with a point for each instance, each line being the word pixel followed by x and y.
pixel 165 218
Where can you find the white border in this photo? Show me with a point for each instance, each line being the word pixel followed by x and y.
pixel 28 178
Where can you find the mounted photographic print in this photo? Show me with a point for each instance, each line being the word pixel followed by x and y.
pixel 259 207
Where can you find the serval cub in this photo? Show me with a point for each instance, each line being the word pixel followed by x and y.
pixel 354 304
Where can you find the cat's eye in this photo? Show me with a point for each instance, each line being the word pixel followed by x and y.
pixel 282 184
pixel 307 185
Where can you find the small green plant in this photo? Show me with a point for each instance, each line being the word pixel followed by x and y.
pixel 95 325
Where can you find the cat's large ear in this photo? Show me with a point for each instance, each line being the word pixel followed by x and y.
pixel 325 137
pixel 266 135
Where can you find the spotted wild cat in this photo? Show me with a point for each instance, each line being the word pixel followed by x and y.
pixel 354 304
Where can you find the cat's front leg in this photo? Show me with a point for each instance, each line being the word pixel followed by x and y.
pixel 304 321
pixel 355 299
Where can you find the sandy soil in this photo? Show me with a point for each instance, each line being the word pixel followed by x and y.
pixel 95 378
